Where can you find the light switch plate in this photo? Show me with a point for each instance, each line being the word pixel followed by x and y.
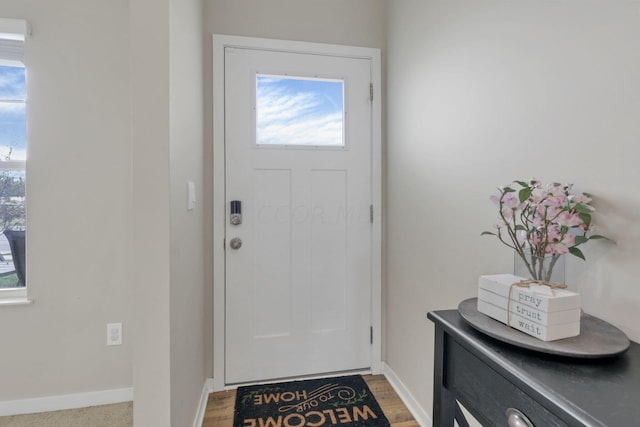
pixel 114 333
pixel 191 195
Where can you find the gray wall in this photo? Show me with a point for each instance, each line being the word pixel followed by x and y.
pixel 115 132
pixel 151 142
pixel 79 203
pixel 188 370
pixel 169 358
pixel 354 22
pixel 480 94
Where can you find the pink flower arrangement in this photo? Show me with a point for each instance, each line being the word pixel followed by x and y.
pixel 541 223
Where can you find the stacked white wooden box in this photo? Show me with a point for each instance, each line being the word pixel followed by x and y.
pixel 538 310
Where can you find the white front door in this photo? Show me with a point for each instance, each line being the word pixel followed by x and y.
pixel 298 156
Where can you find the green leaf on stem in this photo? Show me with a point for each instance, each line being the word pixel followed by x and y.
pixel 599 236
pixel 580 240
pixel 577 252
pixel 508 190
pixel 580 208
pixel 586 218
pixel 524 194
pixel 488 233
pixel 522 183
pixel 520 227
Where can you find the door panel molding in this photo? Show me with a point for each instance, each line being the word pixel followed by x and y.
pixel 220 42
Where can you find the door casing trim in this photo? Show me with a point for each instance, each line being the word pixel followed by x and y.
pixel 220 42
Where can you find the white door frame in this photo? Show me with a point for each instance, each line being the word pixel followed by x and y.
pixel 220 42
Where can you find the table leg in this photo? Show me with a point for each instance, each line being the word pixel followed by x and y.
pixel 444 405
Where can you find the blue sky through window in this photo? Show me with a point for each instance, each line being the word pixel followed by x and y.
pixel 299 111
pixel 12 113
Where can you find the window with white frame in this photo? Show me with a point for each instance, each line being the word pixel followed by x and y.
pixel 13 157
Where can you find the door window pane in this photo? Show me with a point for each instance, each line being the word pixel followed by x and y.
pixel 299 111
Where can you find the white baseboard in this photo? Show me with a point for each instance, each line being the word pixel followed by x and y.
pixel 202 407
pixel 418 412
pixel 65 401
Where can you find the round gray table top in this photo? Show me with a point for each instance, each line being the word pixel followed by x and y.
pixel 597 338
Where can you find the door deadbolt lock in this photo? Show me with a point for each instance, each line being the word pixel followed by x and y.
pixel 236 212
pixel 235 243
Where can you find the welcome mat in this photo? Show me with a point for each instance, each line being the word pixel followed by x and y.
pixel 339 401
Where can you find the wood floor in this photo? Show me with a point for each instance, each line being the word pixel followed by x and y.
pixel 220 405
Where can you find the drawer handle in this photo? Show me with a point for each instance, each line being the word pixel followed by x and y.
pixel 516 418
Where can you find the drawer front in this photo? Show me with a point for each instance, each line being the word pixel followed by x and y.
pixel 486 393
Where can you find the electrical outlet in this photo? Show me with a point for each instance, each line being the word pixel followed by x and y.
pixel 114 333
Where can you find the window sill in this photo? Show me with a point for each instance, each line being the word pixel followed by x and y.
pixel 14 296
pixel 15 301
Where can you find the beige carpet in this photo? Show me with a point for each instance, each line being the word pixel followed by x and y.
pixel 116 415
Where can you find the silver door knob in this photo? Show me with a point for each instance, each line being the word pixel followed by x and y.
pixel 516 418
pixel 235 243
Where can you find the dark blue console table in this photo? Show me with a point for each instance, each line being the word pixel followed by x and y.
pixel 503 385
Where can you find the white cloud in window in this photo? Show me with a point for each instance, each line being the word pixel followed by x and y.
pixel 290 113
pixel 11 107
pixel 11 83
pixel 13 152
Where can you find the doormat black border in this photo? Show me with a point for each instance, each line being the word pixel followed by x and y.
pixel 343 400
